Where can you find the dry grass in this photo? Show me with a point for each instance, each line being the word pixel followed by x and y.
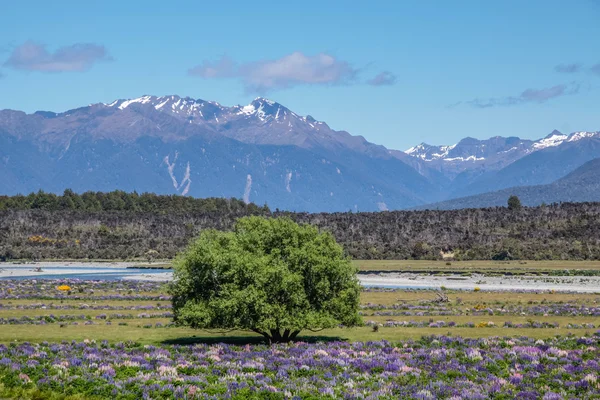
pixel 134 330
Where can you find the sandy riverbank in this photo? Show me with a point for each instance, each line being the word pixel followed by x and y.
pixel 583 284
pixel 580 284
pixel 156 277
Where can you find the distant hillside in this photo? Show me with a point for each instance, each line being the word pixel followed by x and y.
pixel 538 168
pixel 581 185
pixel 113 230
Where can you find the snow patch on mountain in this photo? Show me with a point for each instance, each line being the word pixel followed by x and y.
pixel 508 151
pixel 247 189
pixel 248 110
pixel 550 141
pixel 171 168
pixel 161 105
pixel 382 206
pixel 428 152
pixel 186 181
pixel 142 100
pixel 288 179
pixel 182 187
pixel 269 102
pixel 444 151
pixel 469 158
pixel 493 148
pixel 582 135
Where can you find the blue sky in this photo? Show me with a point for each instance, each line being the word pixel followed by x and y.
pixel 397 72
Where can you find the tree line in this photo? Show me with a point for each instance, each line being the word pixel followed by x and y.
pixel 33 228
pixel 119 200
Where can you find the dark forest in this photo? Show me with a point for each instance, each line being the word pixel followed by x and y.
pixel 126 226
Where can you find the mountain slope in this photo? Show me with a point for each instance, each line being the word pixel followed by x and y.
pixel 476 166
pixel 540 167
pixel 262 152
pixel 581 185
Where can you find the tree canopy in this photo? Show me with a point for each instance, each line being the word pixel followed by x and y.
pixel 119 200
pixel 514 203
pixel 270 276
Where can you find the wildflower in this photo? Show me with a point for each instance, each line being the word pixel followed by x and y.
pixel 165 370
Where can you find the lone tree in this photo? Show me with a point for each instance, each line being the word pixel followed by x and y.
pixel 514 203
pixel 270 276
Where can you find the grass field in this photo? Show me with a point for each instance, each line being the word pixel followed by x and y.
pixel 120 314
pixel 129 326
pixel 114 340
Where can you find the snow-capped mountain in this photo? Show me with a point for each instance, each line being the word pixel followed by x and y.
pixel 262 152
pixel 489 154
pixel 263 121
pixel 473 150
pixel 198 111
pixel 428 152
pixel 556 139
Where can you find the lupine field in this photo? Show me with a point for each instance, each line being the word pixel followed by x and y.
pixel 73 339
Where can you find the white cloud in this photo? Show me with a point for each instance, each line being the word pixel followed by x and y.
pixel 288 71
pixel 31 56
pixel 528 96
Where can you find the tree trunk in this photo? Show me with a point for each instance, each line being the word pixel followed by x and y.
pixel 276 336
pixel 294 334
pixel 266 335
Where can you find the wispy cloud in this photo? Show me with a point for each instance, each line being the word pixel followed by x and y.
pixel 288 71
pixel 568 68
pixel 454 105
pixel 225 67
pixel 31 56
pixel 384 78
pixel 576 67
pixel 528 96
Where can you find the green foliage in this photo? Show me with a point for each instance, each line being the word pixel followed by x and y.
pixel 514 203
pixel 270 276
pixel 565 231
pixel 119 200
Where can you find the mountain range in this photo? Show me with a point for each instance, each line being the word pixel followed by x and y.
pixel 265 153
pixel 581 185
